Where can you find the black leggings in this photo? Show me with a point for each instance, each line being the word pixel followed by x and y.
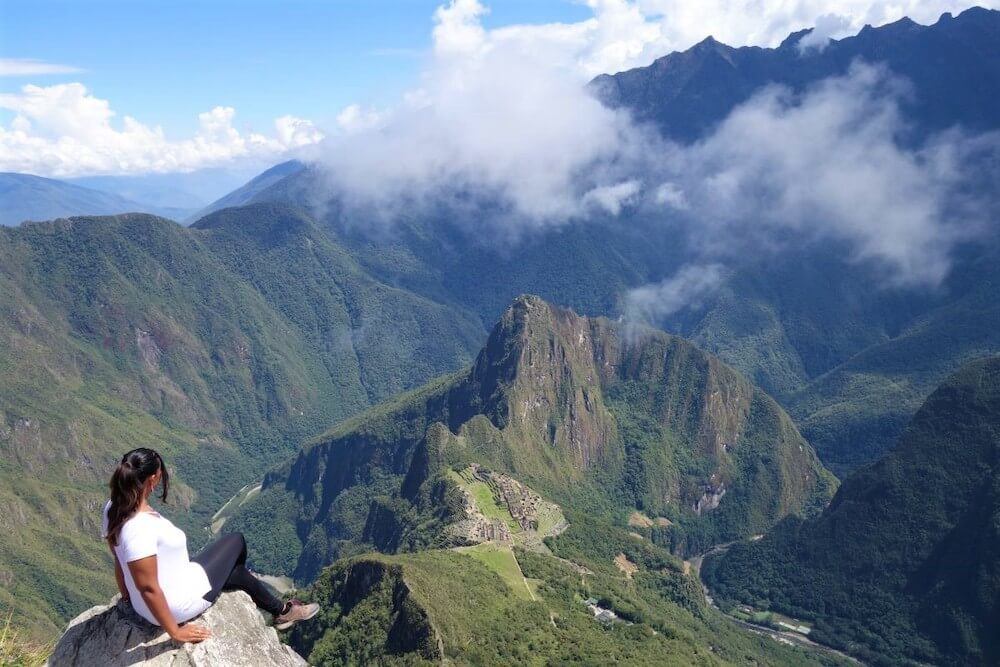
pixel 224 562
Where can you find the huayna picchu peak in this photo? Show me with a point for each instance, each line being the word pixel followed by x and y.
pixel 594 415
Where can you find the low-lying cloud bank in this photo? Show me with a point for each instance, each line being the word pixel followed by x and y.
pixel 505 115
pixel 831 163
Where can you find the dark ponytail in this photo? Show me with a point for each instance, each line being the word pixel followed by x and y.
pixel 127 483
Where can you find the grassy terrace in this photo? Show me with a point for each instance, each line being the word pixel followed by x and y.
pixel 501 559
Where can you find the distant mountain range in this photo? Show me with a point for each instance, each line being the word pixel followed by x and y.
pixel 183 192
pixel 178 197
pixel 954 66
pixel 26 197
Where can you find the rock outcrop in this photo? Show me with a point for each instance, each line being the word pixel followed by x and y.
pixel 115 636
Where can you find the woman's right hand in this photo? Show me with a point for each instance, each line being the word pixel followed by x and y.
pixel 191 633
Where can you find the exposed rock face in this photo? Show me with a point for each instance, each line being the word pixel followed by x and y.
pixel 710 499
pixel 114 635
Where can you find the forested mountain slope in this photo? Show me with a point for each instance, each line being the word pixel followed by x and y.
pixel 905 562
pixel 222 347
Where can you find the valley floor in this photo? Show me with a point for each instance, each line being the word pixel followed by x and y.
pixel 784 636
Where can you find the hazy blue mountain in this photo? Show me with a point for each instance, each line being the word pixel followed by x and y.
pixel 246 193
pixel 173 195
pixel 27 197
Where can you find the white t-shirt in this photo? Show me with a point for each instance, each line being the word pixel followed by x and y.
pixel 183 582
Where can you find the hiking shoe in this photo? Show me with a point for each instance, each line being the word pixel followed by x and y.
pixel 296 612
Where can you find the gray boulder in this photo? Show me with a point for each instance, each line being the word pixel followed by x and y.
pixel 115 636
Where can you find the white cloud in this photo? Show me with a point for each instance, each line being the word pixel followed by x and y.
pixel 828 26
pixel 670 194
pixel 826 165
pixel 355 118
pixel 612 198
pixel 829 164
pixel 32 67
pixel 63 130
pixel 293 132
pixel 457 28
pixel 493 115
pixel 652 303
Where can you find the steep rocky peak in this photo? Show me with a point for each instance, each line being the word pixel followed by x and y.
pixel 537 374
pixel 535 345
pixel 545 368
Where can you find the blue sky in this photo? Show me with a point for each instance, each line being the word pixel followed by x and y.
pixel 126 87
pixel 163 62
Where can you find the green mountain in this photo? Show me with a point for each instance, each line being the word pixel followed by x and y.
pixel 850 364
pixel 571 462
pixel 221 346
pixel 850 411
pixel 466 608
pixel 904 565
pixel 592 414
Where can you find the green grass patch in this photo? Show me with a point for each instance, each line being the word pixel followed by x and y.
pixel 500 558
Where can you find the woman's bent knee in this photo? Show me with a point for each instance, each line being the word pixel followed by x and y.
pixel 236 539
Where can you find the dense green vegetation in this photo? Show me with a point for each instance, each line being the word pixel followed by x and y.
pixel 903 565
pixel 433 605
pixel 222 346
pixel 854 412
pixel 565 405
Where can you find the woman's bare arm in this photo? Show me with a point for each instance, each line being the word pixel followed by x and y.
pixel 119 577
pixel 144 574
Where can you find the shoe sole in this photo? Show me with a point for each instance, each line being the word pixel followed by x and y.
pixel 285 626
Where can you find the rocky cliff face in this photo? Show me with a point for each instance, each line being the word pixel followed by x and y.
pixel 114 636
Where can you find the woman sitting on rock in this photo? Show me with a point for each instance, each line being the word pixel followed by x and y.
pixel 151 558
